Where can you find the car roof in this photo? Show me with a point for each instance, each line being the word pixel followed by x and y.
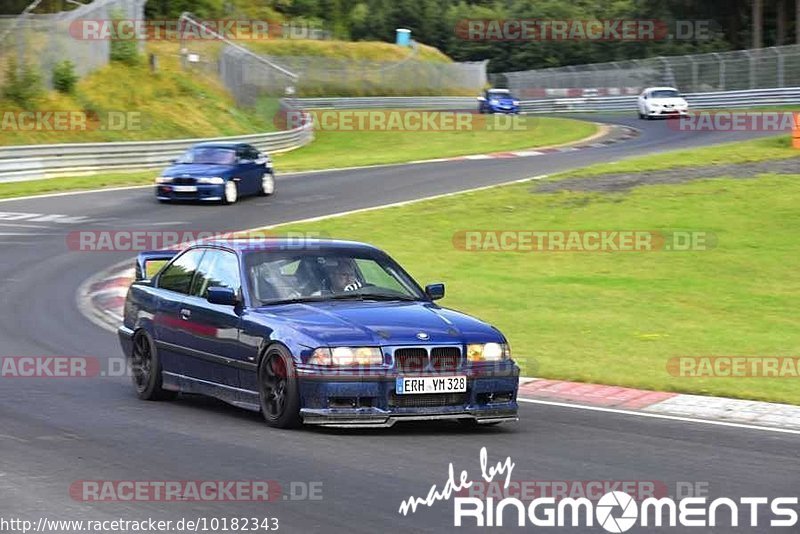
pixel 220 144
pixel 287 243
pixel 493 90
pixel 650 89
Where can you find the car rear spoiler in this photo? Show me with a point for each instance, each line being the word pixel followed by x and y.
pixel 145 258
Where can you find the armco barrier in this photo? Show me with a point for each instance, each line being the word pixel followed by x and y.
pixel 18 163
pixel 33 162
pixel 715 100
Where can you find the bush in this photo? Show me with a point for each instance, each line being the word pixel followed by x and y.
pixel 64 77
pixel 125 51
pixel 23 84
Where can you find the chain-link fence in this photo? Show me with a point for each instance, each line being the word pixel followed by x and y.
pixel 764 68
pixel 251 76
pixel 41 41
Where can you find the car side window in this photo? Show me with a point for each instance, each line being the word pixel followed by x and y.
pixel 179 274
pixel 252 153
pixel 219 269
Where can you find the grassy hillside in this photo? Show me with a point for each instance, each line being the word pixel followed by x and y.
pixel 166 104
pixel 170 104
pixel 363 50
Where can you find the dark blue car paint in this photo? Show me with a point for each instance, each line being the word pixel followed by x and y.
pixel 505 103
pixel 247 175
pixel 216 351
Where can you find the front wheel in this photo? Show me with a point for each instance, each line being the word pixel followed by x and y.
pixel 146 370
pixel 267 184
pixel 278 389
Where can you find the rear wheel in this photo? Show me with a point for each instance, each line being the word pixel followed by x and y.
pixel 231 193
pixel 146 370
pixel 278 389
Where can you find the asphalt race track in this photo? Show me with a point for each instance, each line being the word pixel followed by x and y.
pixel 54 432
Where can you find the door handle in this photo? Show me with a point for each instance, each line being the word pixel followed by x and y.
pixel 186 314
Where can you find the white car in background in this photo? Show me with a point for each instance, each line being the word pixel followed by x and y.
pixel 662 102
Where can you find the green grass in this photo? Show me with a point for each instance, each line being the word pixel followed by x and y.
pixel 617 318
pixel 167 104
pixel 346 149
pixel 361 50
pixel 741 152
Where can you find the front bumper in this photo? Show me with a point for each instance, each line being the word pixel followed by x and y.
pixel 668 113
pixel 371 401
pixel 504 109
pixel 190 192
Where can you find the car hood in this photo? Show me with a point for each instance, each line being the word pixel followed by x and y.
pixel 380 323
pixel 669 101
pixel 196 170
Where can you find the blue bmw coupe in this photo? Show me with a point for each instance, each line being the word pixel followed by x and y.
pixel 217 172
pixel 321 332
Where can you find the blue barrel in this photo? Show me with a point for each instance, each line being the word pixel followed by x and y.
pixel 403 37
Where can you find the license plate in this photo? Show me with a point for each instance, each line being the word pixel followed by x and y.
pixel 431 384
pixel 184 188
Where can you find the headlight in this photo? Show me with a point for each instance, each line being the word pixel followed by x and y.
pixel 489 352
pixel 163 180
pixel 211 181
pixel 347 356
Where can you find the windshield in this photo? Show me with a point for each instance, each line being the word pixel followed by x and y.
pixel 497 95
pixel 209 156
pixel 308 276
pixel 665 94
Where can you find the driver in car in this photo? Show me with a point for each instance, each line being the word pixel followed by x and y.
pixel 344 276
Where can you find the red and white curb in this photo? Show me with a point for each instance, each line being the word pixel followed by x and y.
pixel 738 413
pixel 102 299
pixel 615 134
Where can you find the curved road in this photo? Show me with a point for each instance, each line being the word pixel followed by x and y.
pixel 57 431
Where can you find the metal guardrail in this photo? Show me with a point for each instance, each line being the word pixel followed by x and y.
pixel 714 100
pixel 33 162
pixel 19 163
pixel 711 100
pixel 417 102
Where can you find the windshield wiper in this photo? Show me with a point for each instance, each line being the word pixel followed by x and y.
pixel 295 300
pixel 341 296
pixel 384 296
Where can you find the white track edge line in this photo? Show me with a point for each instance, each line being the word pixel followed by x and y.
pixel 653 415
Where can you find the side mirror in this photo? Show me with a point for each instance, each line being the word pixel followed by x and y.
pixel 222 296
pixel 435 291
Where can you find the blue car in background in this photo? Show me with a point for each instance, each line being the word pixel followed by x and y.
pixel 497 101
pixel 322 332
pixel 217 172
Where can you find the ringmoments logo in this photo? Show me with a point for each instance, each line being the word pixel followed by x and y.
pixel 614 511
